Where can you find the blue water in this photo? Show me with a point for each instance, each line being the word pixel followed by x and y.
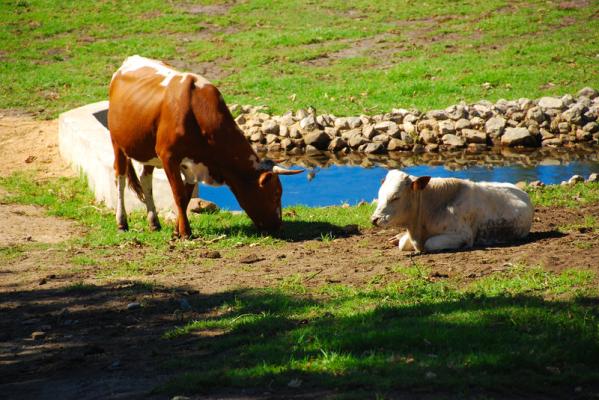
pixel 340 184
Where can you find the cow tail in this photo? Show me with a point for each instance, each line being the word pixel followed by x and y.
pixel 133 181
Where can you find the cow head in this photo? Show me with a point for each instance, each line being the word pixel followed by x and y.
pixel 396 198
pixel 261 199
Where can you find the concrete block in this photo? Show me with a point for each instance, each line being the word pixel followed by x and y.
pixel 84 142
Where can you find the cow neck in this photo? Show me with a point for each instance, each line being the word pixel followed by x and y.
pixel 417 229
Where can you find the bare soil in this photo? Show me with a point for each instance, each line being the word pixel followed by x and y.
pixel 66 332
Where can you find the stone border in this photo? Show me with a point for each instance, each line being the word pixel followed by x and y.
pixel 84 142
pixel 546 122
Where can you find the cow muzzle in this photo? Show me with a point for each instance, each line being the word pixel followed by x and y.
pixel 375 220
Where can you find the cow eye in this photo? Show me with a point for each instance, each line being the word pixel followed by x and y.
pixel 184 166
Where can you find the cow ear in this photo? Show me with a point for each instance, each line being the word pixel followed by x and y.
pixel 264 178
pixel 420 183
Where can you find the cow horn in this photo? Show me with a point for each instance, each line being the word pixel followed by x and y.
pixel 284 171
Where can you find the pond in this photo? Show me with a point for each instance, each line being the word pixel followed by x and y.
pixel 332 182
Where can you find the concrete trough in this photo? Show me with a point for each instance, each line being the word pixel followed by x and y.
pixel 84 142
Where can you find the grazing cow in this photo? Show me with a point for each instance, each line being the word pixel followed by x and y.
pixel 179 121
pixel 444 214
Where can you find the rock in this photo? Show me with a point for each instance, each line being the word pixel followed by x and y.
pixel 397 144
pixel 431 148
pixel 270 126
pixel 517 137
pixel 38 335
pixel 535 114
pixel 594 177
pixel 356 141
pixel 575 179
pixel 133 306
pixel 591 127
pixel 337 144
pixel 583 136
pixel 536 184
pixel 521 185
pixel 250 259
pixel 301 114
pixel 354 122
pixel 308 123
pixel 325 120
pixel 462 124
pixel 551 102
pixel 240 120
pixel 418 148
pixel 374 148
pixel 382 138
pixel 474 136
pixel 272 138
pixel 181 398
pixel 438 115
pixel 311 150
pixel 482 111
pixel 409 128
pixel 257 137
pixel 446 127
pixel 286 144
pixel 386 126
pixel 453 140
pixel 430 375
pixel 369 132
pixel 341 123
pixel 495 126
pixel 318 139
pixel 476 148
pixel 587 92
pixel 213 254
pixel 428 136
pixel 286 120
pixel 198 206
pixel 568 99
pixel 294 383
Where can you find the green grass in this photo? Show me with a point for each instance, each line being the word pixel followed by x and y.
pixel 401 53
pixel 565 196
pixel 503 334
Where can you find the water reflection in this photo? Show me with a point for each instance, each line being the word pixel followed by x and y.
pixel 334 180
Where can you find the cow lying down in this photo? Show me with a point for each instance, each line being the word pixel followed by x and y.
pixel 444 213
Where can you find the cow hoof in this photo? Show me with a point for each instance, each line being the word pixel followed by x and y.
pixel 155 227
pixel 123 227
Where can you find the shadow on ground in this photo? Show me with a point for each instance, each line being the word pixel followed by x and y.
pixel 98 343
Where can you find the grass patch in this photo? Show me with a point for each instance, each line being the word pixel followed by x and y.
pixel 261 52
pixel 565 196
pixel 502 334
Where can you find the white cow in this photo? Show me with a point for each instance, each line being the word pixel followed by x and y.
pixel 443 214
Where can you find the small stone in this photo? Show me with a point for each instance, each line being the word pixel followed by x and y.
pixel 438 115
pixel 374 148
pixel 295 383
pixel 198 206
pixel 308 123
pixel 356 141
pixel 386 126
pixel 318 139
pixel 250 259
pixel 594 177
pixel 551 102
pixel 133 306
pixel 588 92
pixel 517 137
pixel 462 124
pixel 211 254
pixel 575 179
pixel 272 138
pixel 397 144
pixel 453 140
pixel 337 144
pixel 446 127
pixel 38 335
pixel 354 122
pixel 286 144
pixel 270 126
pixel 495 126
pixel 428 136
pixel 536 184
pixel 474 136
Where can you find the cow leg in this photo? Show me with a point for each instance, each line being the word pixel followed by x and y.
pixel 146 185
pixel 448 241
pixel 405 243
pixel 120 169
pixel 181 195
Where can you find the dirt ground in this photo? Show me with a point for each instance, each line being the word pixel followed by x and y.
pixel 61 338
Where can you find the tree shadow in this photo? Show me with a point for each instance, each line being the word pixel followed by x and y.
pixel 128 338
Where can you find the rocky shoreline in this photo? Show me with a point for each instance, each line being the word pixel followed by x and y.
pixel 551 122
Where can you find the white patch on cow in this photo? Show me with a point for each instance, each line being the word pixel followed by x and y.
pixel 136 62
pixel 121 214
pixel 154 162
pixel 196 172
pixel 201 81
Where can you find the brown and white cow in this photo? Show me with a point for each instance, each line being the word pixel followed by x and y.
pixel 179 121
pixel 444 214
